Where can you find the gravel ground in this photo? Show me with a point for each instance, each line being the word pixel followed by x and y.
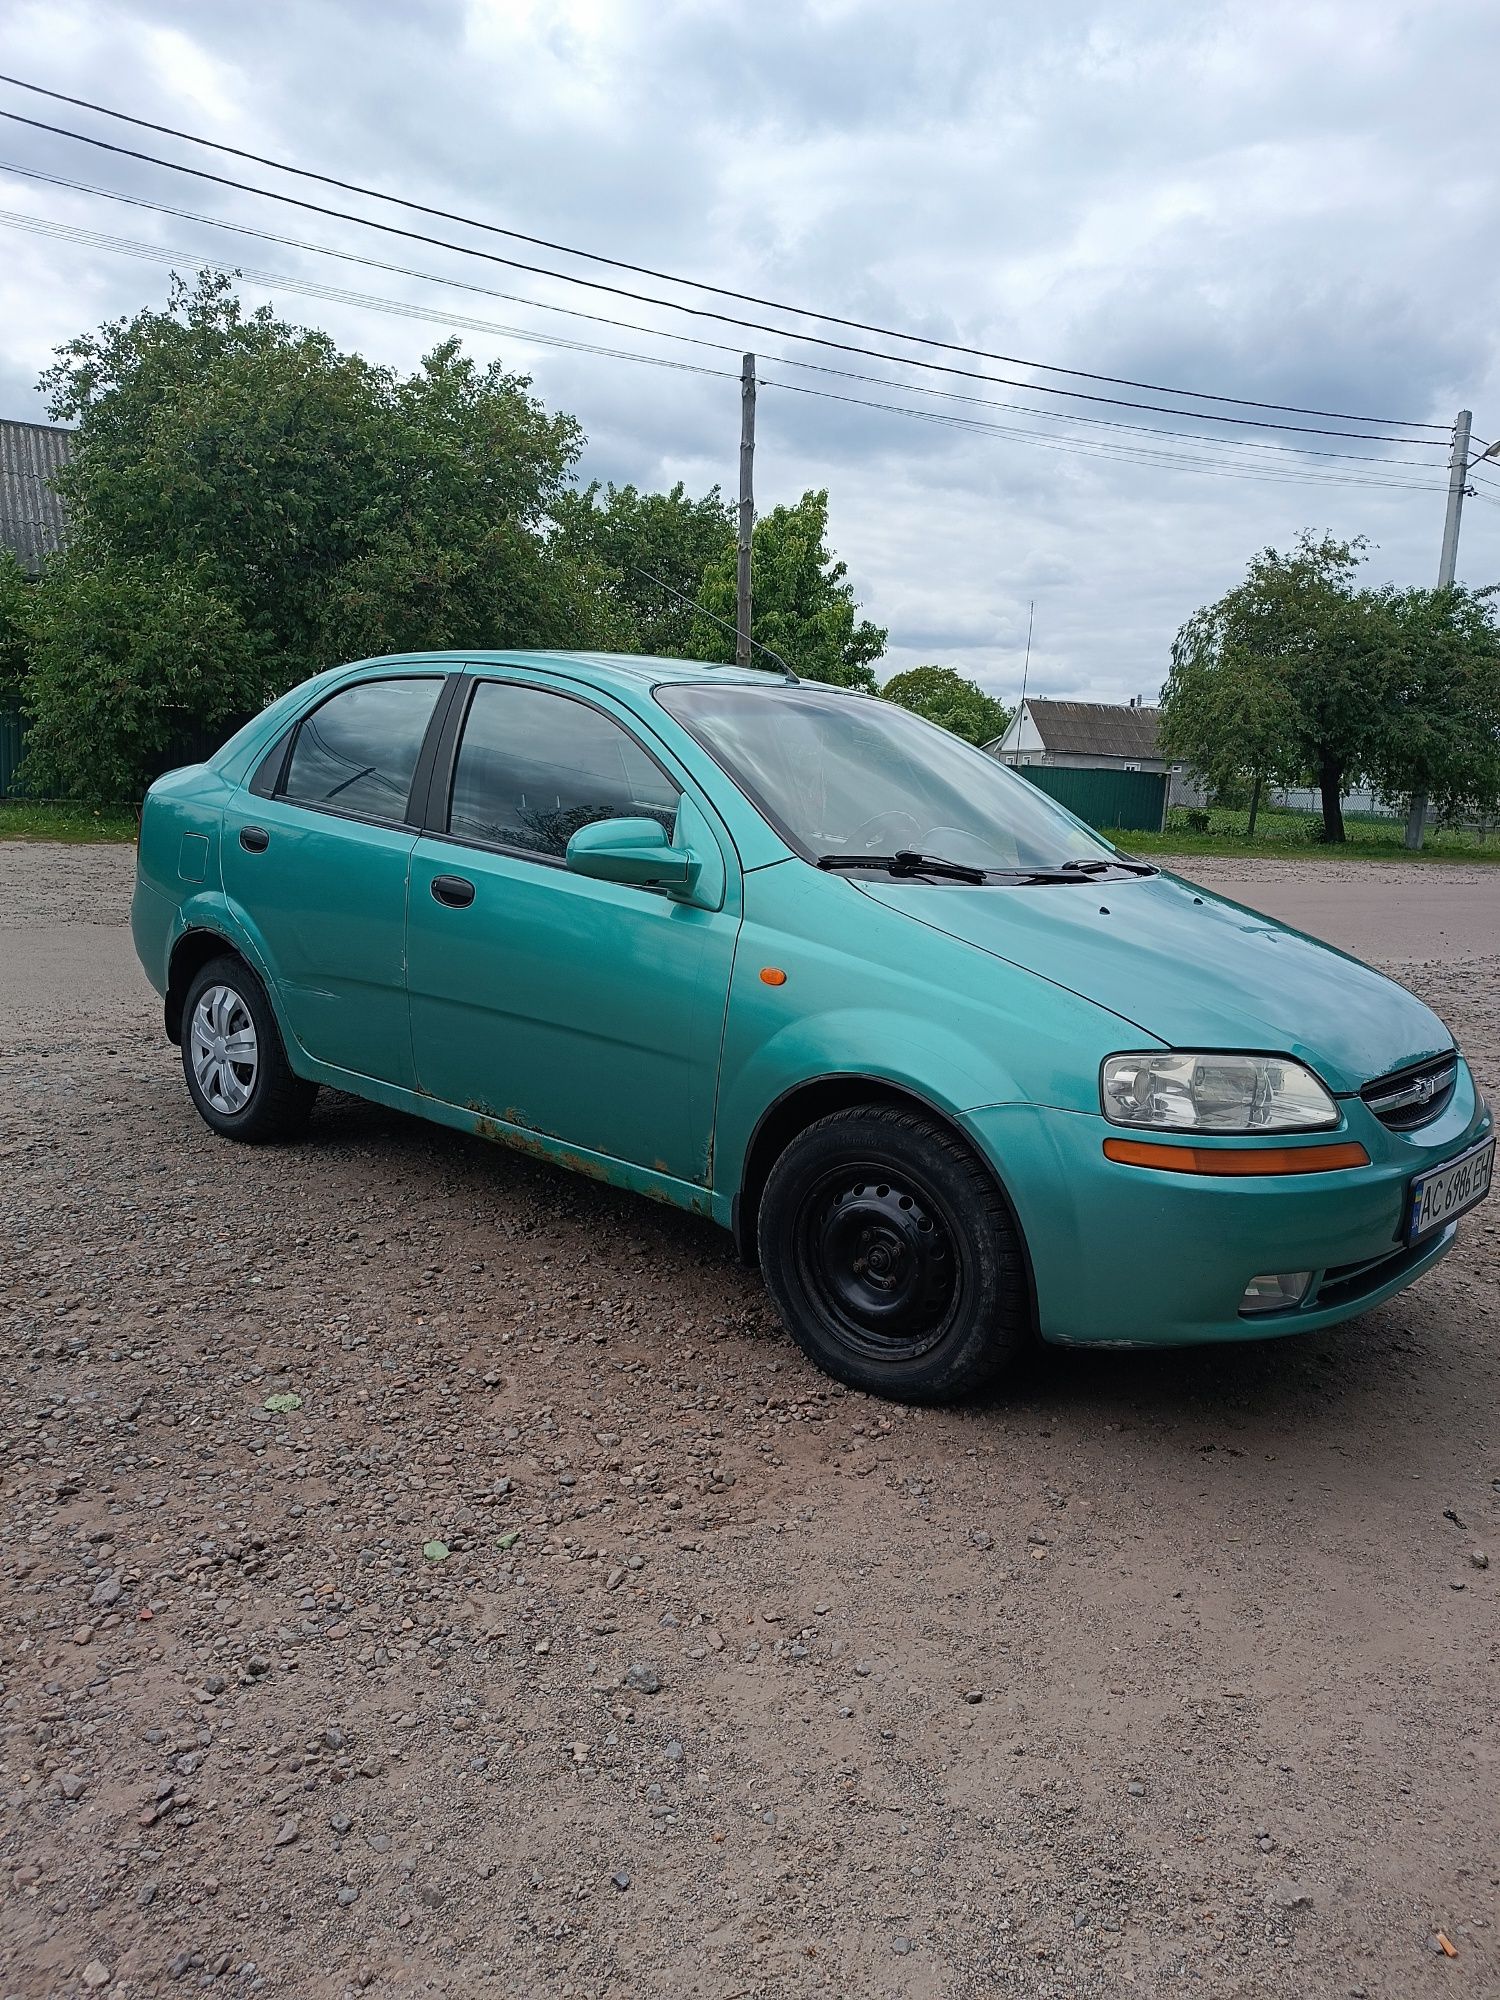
pixel 570 1636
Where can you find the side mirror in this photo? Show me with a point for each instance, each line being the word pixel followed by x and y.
pixel 634 851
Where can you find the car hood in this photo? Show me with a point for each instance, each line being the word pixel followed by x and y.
pixel 1191 969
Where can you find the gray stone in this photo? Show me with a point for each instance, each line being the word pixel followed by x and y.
pixel 644 1679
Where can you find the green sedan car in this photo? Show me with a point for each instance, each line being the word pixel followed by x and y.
pixel 955 1070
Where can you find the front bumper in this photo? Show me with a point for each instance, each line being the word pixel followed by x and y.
pixel 1125 1256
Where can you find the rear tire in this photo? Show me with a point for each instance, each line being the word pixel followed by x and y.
pixel 893 1258
pixel 236 1068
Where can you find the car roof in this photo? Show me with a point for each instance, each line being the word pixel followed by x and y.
pixel 632 669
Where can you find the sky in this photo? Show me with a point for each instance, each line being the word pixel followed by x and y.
pixel 1288 204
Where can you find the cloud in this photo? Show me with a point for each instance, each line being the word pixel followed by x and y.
pixel 1285 203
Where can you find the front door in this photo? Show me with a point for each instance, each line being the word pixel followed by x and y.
pixel 582 1010
pixel 317 865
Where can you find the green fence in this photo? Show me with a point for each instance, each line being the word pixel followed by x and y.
pixel 1135 801
pixel 12 749
pixel 191 745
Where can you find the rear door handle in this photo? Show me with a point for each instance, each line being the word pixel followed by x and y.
pixel 454 890
pixel 254 839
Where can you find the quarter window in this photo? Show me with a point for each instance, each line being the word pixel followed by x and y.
pixel 357 752
pixel 533 767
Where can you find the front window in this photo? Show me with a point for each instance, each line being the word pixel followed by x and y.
pixel 533 767
pixel 847 775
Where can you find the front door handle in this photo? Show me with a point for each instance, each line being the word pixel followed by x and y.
pixel 454 890
pixel 254 839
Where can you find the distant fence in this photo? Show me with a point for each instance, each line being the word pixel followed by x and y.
pixel 191 745
pixel 12 749
pixel 1134 801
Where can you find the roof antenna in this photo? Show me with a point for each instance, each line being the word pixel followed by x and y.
pixel 1025 671
pixel 703 611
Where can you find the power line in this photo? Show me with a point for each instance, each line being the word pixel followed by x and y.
pixel 668 277
pixel 1098 447
pixel 688 339
pixel 1084 447
pixel 156 253
pixel 700 312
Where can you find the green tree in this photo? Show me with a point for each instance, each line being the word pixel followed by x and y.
pixel 1287 676
pixel 126 654
pixel 945 697
pixel 15 633
pixel 802 604
pixel 319 508
pixel 1443 739
pixel 627 537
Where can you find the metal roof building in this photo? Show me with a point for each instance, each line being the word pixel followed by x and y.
pixel 32 517
pixel 1082 734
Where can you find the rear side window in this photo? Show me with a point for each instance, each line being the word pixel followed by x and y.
pixel 358 751
pixel 533 767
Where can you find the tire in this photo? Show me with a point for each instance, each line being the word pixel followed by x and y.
pixel 892 1257
pixel 259 1097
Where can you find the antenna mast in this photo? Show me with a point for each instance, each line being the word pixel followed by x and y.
pixel 1025 672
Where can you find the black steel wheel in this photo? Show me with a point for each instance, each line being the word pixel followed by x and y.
pixel 892 1256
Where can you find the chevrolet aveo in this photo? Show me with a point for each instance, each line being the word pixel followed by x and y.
pixel 954 1070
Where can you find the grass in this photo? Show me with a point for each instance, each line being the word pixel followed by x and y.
pixel 1292 836
pixel 28 819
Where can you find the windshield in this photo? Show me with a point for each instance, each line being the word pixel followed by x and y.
pixel 847 775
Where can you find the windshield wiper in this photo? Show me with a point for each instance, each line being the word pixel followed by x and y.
pixel 1102 867
pixel 905 862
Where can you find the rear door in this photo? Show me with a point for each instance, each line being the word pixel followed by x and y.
pixel 316 852
pixel 586 1011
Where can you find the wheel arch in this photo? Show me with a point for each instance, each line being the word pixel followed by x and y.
pixel 191 952
pixel 816 1097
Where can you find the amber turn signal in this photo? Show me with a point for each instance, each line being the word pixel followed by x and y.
pixel 773 975
pixel 1238 1160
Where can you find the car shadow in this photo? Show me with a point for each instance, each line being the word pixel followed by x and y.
pixel 1254 1391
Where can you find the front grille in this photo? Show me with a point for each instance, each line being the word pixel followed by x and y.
pixel 1412 1097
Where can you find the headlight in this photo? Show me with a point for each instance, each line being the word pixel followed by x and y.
pixel 1169 1091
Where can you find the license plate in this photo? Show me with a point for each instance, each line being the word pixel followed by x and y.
pixel 1438 1197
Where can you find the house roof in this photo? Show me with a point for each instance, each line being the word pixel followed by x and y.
pixel 1096 728
pixel 32 517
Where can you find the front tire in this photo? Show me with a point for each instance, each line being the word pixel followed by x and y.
pixel 893 1258
pixel 236 1068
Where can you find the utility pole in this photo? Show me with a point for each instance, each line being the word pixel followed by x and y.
pixel 1458 469
pixel 747 511
pixel 1458 466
